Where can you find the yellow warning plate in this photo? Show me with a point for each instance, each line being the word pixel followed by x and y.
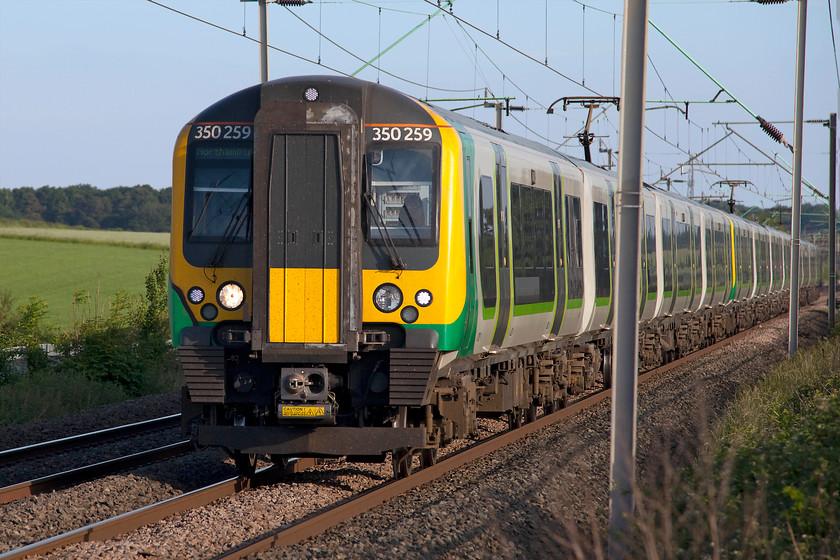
pixel 301 411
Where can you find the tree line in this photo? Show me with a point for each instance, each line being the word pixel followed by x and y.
pixel 142 208
pixel 813 219
pixel 138 208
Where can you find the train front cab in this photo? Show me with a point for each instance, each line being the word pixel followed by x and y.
pixel 358 277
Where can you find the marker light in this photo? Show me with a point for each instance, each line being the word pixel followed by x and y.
pixel 230 296
pixel 209 312
pixel 409 314
pixel 423 298
pixel 195 295
pixel 387 298
pixel 311 94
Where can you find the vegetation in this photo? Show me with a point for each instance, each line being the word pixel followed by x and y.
pixel 768 483
pixel 142 208
pixel 138 208
pixel 107 356
pixel 34 231
pixel 58 271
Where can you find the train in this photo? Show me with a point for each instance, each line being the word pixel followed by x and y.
pixel 357 273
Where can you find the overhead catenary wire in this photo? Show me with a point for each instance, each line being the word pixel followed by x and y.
pixel 776 158
pixel 303 58
pixel 508 45
pixel 400 40
pixel 464 24
pixel 496 66
pixel 529 57
pixel 772 131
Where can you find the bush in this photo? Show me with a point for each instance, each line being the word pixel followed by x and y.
pixel 796 469
pixel 24 336
pixel 124 352
pixel 47 394
pixel 129 345
pixel 767 485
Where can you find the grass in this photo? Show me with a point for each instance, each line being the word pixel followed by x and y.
pixel 42 395
pixel 108 357
pixel 56 270
pixel 131 239
pixel 767 483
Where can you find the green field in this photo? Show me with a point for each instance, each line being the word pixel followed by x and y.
pixel 93 236
pixel 100 263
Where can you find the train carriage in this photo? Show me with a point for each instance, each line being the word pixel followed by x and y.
pixel 355 272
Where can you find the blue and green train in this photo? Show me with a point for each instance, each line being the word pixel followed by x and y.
pixel 355 272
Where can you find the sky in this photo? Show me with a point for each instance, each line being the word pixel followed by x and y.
pixel 96 91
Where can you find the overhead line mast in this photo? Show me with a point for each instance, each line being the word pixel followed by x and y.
pixel 264 30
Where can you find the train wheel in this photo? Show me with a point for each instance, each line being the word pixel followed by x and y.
pixel 606 369
pixel 246 464
pixel 428 457
pixel 515 418
pixel 531 414
pixel 281 461
pixel 401 459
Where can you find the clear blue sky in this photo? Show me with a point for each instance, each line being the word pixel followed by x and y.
pixel 95 91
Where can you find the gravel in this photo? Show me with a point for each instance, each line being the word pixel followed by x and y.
pixel 537 498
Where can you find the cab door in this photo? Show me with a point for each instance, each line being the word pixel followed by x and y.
pixel 304 256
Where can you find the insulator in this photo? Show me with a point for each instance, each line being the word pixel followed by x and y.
pixel 769 1
pixel 772 131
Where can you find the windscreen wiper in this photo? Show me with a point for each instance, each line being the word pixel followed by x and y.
pixel 212 191
pixel 396 262
pixel 232 230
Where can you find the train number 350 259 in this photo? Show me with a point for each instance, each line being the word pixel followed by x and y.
pixel 397 133
pixel 222 132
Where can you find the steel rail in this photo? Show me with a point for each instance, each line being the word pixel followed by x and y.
pixel 133 520
pixel 318 523
pixel 11 456
pixel 332 516
pixel 83 474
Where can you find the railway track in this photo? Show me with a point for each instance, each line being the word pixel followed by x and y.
pixel 133 520
pixel 14 456
pixel 333 515
pixel 90 472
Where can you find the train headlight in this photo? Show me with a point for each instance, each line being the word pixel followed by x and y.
pixel 195 295
pixel 230 296
pixel 423 298
pixel 387 298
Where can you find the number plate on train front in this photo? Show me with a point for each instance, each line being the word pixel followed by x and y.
pixel 302 411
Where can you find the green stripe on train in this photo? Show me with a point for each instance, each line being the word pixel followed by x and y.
pixel 574 303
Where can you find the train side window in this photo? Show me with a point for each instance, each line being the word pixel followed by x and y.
pixel 486 242
pixel 573 232
pixel 602 249
pixel 650 252
pixel 533 267
pixel 667 256
pixel 720 260
pixel 683 240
